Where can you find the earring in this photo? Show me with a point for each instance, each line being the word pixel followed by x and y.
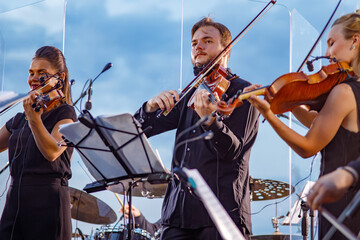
pixel 353 47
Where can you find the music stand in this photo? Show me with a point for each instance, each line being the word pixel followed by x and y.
pixel 116 152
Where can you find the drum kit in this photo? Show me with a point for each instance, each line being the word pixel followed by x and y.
pixel 87 208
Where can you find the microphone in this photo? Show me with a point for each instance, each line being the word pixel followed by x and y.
pixel 88 104
pixel 310 66
pixel 198 123
pixel 206 136
pixel 83 94
pixel 107 66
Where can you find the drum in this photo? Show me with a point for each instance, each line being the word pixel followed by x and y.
pixel 120 233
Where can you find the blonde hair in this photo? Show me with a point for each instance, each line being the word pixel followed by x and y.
pixel 351 26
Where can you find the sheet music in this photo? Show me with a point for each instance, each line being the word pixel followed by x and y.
pixel 296 208
pixel 220 217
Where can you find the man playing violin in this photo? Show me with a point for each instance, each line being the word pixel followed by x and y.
pixel 335 129
pixel 223 161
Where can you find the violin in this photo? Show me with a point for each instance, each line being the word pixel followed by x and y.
pixel 214 82
pixel 49 92
pixel 294 89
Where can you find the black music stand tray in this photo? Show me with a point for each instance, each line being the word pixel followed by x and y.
pixel 116 152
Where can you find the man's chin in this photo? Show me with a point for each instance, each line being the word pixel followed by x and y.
pixel 201 64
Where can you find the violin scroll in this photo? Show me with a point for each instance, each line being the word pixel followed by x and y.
pixel 49 92
pixel 214 82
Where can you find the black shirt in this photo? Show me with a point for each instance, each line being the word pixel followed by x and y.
pixel 340 151
pixel 24 155
pixel 223 161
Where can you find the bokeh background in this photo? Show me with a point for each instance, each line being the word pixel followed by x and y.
pixel 148 42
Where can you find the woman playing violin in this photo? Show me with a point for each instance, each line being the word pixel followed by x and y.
pixel 335 129
pixel 38 202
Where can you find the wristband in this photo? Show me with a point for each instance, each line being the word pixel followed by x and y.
pixel 353 173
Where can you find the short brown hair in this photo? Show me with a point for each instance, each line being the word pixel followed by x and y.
pixel 224 31
pixel 56 58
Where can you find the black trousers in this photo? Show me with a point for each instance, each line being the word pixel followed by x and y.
pixel 208 233
pixel 37 210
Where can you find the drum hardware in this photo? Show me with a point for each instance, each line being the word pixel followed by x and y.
pixel 120 232
pixel 78 234
pixel 266 189
pixel 141 188
pixel 276 236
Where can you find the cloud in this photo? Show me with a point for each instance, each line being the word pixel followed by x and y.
pixel 167 9
pixel 47 15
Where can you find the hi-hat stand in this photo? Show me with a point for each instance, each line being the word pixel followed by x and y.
pixel 116 152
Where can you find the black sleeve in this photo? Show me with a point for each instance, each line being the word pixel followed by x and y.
pixel 156 123
pixel 11 124
pixel 66 112
pixel 142 223
pixel 235 132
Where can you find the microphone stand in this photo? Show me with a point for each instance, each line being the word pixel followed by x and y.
pixel 343 229
pixel 83 94
pixel 305 220
pixel 312 225
pixel 348 212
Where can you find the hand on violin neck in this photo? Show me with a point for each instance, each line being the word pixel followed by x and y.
pixel 28 102
pixel 165 101
pixel 203 106
pixel 262 105
pixel 252 87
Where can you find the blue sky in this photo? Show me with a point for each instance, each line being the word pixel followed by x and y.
pixel 142 40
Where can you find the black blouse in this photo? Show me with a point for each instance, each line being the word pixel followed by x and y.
pixel 25 157
pixel 342 150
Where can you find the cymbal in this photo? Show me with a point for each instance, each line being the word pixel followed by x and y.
pixel 266 189
pixel 142 189
pixel 87 208
pixel 276 236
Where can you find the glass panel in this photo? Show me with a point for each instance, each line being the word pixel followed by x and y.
pixel 142 40
pixel 24 27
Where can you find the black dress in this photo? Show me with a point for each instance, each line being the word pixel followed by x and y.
pixel 38 202
pixel 343 148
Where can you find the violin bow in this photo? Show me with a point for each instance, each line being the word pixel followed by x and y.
pixel 318 39
pixel 21 97
pixel 197 80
